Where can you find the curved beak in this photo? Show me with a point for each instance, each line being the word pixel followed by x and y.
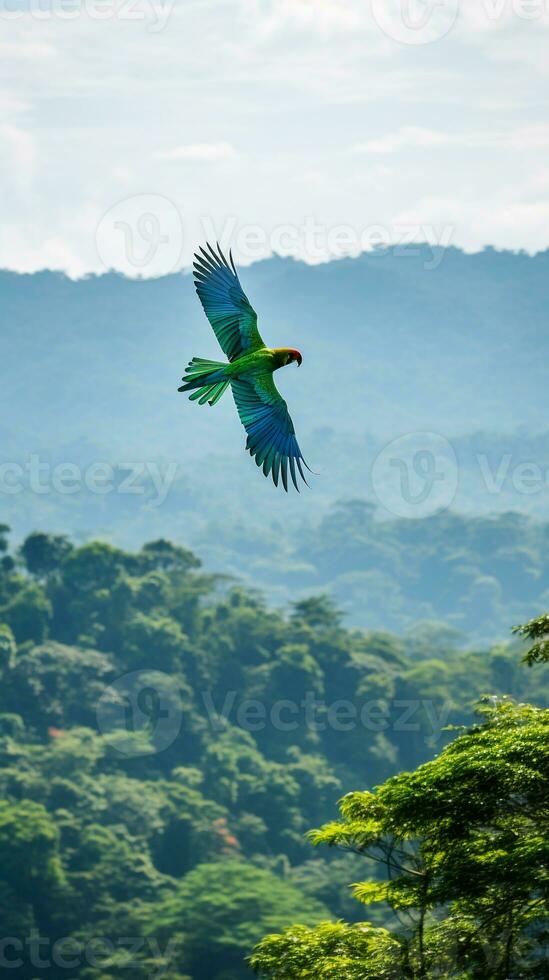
pixel 299 359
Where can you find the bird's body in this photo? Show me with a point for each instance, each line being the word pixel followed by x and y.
pixel 266 359
pixel 249 371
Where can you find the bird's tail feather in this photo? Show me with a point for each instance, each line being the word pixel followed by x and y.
pixel 219 390
pixel 206 380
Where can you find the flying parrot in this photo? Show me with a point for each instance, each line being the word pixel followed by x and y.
pixel 249 371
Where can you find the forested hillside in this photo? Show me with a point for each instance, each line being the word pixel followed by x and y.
pixel 167 739
pixel 474 574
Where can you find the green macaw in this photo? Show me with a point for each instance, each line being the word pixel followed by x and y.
pixel 262 410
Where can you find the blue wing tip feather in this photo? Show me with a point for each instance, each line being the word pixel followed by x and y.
pixel 278 466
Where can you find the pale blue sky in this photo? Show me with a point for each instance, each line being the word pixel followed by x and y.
pixel 129 132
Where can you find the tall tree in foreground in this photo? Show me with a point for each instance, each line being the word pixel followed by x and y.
pixel 537 631
pixel 463 841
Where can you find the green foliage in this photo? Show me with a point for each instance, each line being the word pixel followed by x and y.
pixel 332 951
pixel 27 611
pixel 33 878
pixel 42 553
pixel 220 910
pixel 112 831
pixel 537 630
pixel 464 841
pixel 8 650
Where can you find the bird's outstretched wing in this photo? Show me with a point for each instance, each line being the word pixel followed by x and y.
pixel 225 303
pixel 271 434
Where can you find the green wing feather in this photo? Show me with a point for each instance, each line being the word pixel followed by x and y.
pixel 271 434
pixel 225 303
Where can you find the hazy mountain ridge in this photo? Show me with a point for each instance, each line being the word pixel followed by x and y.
pixel 459 346
pixel 444 342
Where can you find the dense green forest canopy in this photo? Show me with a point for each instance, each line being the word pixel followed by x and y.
pixel 167 740
pixel 476 574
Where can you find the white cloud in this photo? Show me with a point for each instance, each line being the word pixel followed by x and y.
pixel 323 17
pixel 407 136
pixel 475 18
pixel 32 252
pixel 26 50
pixel 534 137
pixel 476 223
pixel 271 93
pixel 11 106
pixel 203 152
pixel 17 154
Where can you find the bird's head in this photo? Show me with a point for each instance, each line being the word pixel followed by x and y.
pixel 293 355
